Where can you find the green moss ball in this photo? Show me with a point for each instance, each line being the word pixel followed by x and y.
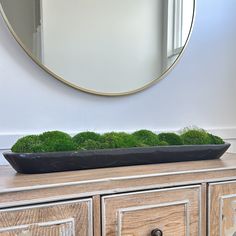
pixel 28 144
pixel 163 143
pixel 146 137
pixel 119 140
pixel 55 141
pixel 170 138
pixel 90 145
pixel 195 137
pixel 215 139
pixel 80 138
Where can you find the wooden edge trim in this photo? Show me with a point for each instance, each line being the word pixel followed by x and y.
pixel 112 179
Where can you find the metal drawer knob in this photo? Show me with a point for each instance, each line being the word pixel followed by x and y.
pixel 156 232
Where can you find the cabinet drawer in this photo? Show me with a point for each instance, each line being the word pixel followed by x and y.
pixel 65 218
pixel 175 211
pixel 222 209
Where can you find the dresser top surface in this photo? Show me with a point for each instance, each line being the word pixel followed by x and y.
pixel 9 179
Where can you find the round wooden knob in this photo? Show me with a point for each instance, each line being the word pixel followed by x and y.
pixel 156 232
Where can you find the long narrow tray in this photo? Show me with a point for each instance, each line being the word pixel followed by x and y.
pixel 32 163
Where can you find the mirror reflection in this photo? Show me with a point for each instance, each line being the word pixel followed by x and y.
pixel 104 46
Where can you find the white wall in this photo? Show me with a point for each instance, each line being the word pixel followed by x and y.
pixel 200 90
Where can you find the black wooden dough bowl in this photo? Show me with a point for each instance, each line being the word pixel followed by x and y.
pixel 32 163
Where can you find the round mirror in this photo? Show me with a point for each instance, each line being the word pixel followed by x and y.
pixel 106 47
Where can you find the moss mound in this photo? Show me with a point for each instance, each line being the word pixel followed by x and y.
pixel 215 139
pixel 163 143
pixel 196 137
pixel 170 138
pixel 28 144
pixel 146 137
pixel 90 145
pixel 51 141
pixel 80 138
pixel 119 140
pixel 55 141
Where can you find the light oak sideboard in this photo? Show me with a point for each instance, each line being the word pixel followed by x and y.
pixel 175 199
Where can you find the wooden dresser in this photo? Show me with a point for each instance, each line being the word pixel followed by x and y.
pixel 176 199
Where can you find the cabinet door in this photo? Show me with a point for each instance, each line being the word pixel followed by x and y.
pixel 222 209
pixel 167 212
pixel 56 219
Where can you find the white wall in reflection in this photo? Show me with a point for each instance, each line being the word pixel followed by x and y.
pixel 103 45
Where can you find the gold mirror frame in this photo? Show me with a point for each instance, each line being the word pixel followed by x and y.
pixel 45 68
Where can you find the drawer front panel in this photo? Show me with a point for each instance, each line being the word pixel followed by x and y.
pixel 173 211
pixel 222 209
pixel 66 218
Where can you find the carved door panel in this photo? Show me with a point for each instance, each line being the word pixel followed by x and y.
pixel 167 212
pixel 56 219
pixel 222 209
